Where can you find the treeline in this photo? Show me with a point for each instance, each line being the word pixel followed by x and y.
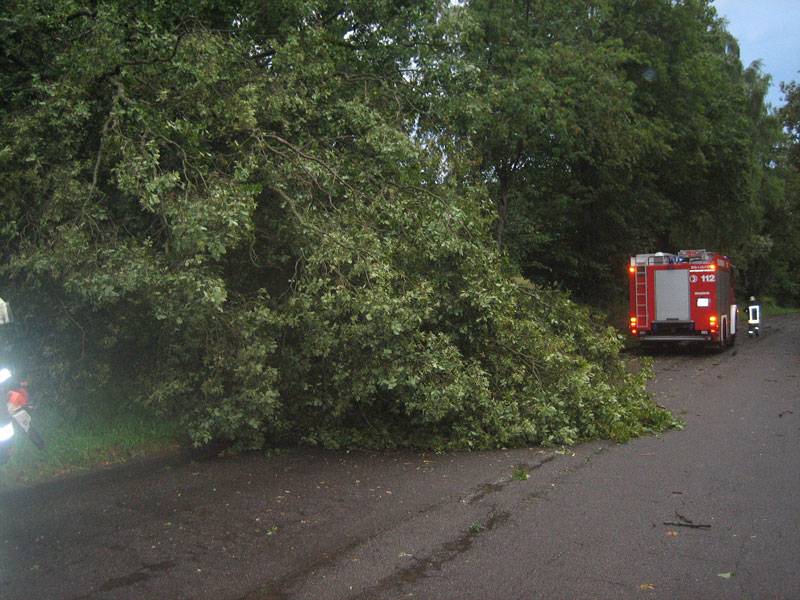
pixel 341 222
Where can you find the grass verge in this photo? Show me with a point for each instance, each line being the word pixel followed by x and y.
pixel 96 438
pixel 771 308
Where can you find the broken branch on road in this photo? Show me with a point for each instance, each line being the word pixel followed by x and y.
pixel 690 525
pixel 686 522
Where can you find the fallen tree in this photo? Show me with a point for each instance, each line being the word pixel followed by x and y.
pixel 233 220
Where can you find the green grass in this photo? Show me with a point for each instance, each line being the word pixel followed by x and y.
pixel 95 439
pixel 771 309
pixel 520 474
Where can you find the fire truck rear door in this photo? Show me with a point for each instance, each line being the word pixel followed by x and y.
pixel 672 294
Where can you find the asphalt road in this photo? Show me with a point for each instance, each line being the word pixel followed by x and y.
pixel 710 511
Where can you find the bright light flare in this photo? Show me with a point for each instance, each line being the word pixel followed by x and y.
pixel 6 432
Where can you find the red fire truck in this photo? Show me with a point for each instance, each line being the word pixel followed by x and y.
pixel 683 297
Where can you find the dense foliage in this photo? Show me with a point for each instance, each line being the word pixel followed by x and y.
pixel 309 220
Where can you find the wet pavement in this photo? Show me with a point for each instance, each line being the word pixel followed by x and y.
pixel 710 511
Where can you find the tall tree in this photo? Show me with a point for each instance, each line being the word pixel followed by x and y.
pixel 549 118
pixel 702 173
pixel 775 272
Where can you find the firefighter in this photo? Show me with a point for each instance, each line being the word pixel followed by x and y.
pixel 753 318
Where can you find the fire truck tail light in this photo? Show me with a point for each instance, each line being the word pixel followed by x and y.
pixel 712 323
pixel 634 326
pixel 631 269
